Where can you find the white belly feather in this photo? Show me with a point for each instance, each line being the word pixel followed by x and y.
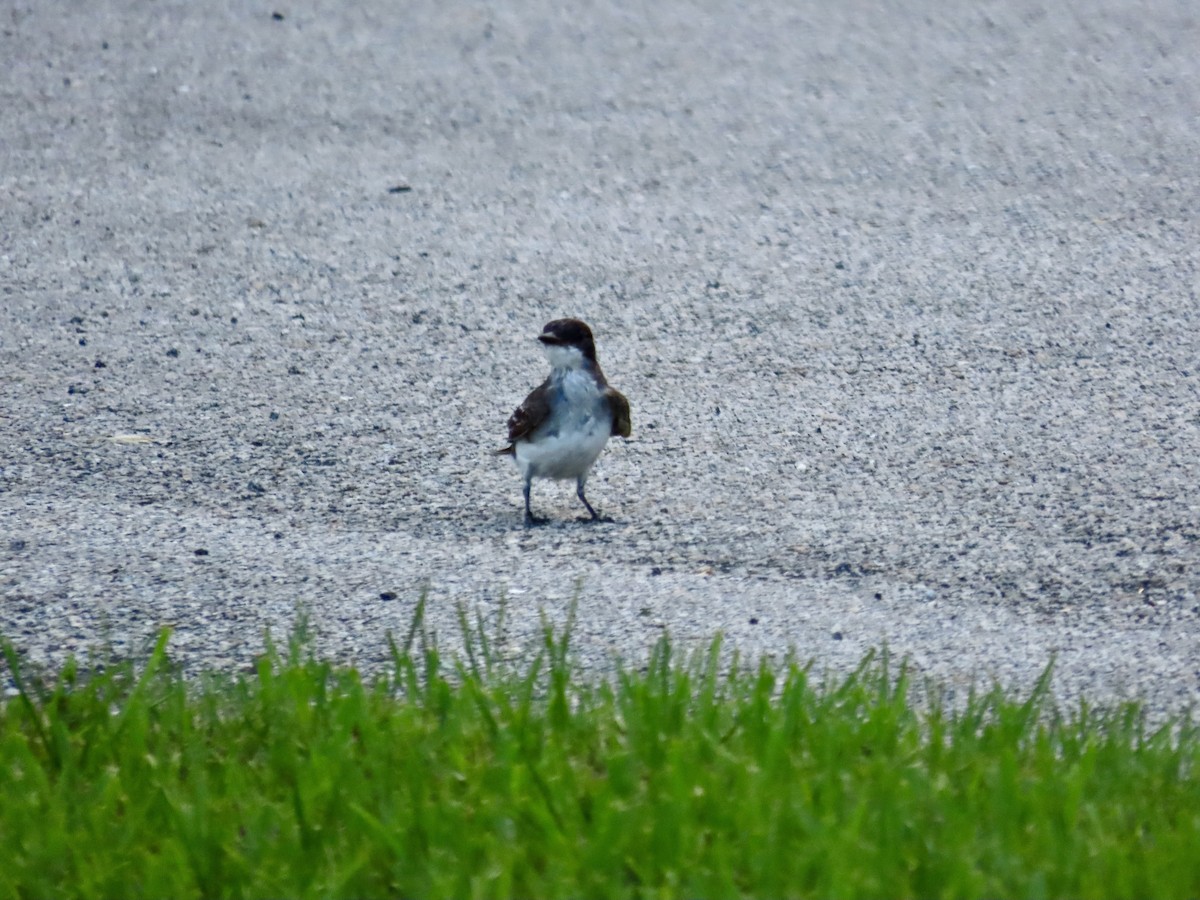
pixel 568 454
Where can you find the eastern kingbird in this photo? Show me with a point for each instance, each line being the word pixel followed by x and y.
pixel 565 422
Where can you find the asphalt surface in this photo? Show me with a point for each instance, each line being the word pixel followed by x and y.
pixel 904 297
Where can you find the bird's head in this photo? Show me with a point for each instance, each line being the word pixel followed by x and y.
pixel 568 343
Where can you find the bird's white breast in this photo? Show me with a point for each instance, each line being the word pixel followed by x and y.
pixel 574 434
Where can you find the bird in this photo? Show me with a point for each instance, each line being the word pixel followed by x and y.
pixel 559 430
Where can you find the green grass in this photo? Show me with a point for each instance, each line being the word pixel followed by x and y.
pixel 481 780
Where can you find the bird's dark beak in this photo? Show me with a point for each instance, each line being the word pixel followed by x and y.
pixel 549 339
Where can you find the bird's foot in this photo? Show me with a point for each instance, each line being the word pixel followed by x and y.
pixel 532 520
pixel 597 519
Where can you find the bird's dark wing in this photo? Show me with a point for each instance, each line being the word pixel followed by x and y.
pixel 529 415
pixel 620 412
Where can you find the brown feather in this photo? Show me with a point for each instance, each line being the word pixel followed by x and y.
pixel 526 418
pixel 621 426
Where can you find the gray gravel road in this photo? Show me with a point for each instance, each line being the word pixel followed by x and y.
pixel 904 297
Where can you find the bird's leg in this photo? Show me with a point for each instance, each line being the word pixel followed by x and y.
pixel 530 518
pixel 596 517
